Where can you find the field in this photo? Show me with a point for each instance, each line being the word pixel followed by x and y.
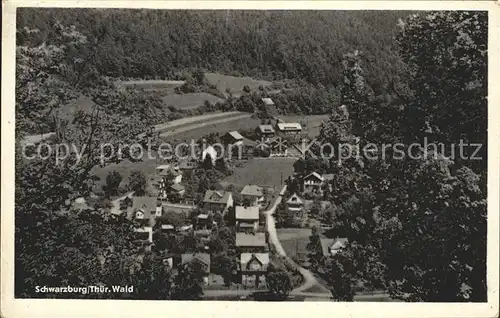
pixel 233 83
pixel 188 121
pixel 147 166
pixel 294 242
pixel 223 125
pixel 261 171
pixel 189 101
pixel 150 84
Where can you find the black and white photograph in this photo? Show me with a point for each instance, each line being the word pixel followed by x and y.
pixel 251 155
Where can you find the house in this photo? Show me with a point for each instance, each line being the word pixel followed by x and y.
pixel 295 205
pixel 254 194
pixel 167 228
pixel 312 182
pixel 177 189
pixel 198 259
pixel 144 210
pixel 232 138
pixel 251 242
pixel 330 247
pixel 289 128
pixel 253 268
pixel 265 131
pixel 209 151
pixel 203 221
pixel 247 218
pixel 267 102
pixel 169 171
pixel 217 201
pixel 186 165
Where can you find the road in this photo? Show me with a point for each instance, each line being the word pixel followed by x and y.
pixel 309 279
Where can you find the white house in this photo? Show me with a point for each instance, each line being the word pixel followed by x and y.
pixel 247 218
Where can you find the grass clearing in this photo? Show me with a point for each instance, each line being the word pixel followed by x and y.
pixel 189 101
pixel 221 126
pixel 262 171
pixel 234 83
pixel 294 242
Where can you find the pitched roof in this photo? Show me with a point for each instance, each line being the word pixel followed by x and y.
pixel 145 204
pixel 248 213
pixel 165 170
pixel 246 258
pixel 213 196
pixel 253 190
pixel 328 244
pixel 289 126
pixel 266 128
pixel 244 239
pixel 295 199
pixel 339 243
pixel 315 175
pixel 267 101
pixel 177 187
pixel 325 245
pixel 202 257
pixel 236 135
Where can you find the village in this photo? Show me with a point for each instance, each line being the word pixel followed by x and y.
pixel 184 231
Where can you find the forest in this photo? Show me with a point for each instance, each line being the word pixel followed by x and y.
pixel 302 45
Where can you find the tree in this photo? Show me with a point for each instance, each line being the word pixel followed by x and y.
pixel 314 247
pixel 449 77
pixel 339 273
pixel 207 162
pixel 278 282
pixel 154 280
pixel 225 266
pixel 315 209
pixel 137 182
pixel 113 180
pixel 188 282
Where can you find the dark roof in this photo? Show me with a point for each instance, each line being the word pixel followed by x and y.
pixel 250 240
pixel 201 257
pixel 213 196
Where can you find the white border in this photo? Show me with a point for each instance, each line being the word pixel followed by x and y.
pixel 106 308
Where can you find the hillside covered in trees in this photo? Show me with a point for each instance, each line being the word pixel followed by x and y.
pixel 302 45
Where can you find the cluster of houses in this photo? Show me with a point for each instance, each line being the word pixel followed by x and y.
pixel 250 238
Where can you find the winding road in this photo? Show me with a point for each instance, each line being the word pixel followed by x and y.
pixel 309 279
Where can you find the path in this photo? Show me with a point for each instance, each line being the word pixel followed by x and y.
pixel 115 204
pixel 309 279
